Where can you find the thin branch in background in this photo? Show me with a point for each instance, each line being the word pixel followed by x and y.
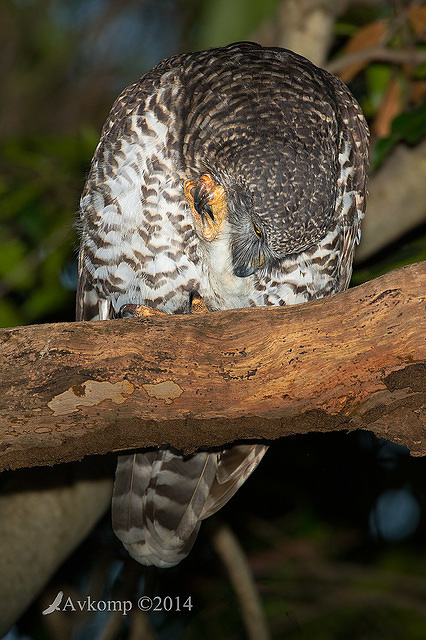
pixel 241 577
pixel 378 54
pixel 140 627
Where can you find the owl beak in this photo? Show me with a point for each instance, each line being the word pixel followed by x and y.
pixel 244 271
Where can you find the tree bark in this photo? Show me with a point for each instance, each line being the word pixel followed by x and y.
pixel 304 26
pixel 355 360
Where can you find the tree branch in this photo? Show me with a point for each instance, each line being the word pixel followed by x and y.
pixel 304 26
pixel 44 515
pixel 378 54
pixel 355 360
pixel 242 580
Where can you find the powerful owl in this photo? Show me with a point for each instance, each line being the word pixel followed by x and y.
pixel 235 176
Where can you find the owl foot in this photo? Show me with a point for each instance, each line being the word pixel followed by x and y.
pixel 137 311
pixel 208 206
pixel 197 304
pixel 141 311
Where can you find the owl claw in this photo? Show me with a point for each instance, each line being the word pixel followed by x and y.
pixel 127 311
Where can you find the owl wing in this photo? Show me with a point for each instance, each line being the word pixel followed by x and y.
pixel 352 182
pixel 89 306
pixel 234 467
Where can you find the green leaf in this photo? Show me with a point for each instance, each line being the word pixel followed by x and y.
pixel 378 77
pixel 411 126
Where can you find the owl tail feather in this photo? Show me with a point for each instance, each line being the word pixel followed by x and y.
pixel 161 497
pixel 157 501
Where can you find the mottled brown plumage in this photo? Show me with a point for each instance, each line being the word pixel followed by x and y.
pixel 236 175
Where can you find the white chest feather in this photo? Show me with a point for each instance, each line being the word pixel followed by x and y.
pixel 219 287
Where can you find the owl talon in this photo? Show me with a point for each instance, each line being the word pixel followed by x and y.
pixel 127 311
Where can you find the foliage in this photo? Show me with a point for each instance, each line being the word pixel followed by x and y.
pixel 41 178
pixel 408 127
pixel 409 249
pixel 222 22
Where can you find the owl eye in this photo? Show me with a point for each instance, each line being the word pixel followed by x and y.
pixel 257 231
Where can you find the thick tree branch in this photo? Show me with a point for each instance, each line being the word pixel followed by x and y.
pixel 44 515
pixel 352 361
pixel 304 26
